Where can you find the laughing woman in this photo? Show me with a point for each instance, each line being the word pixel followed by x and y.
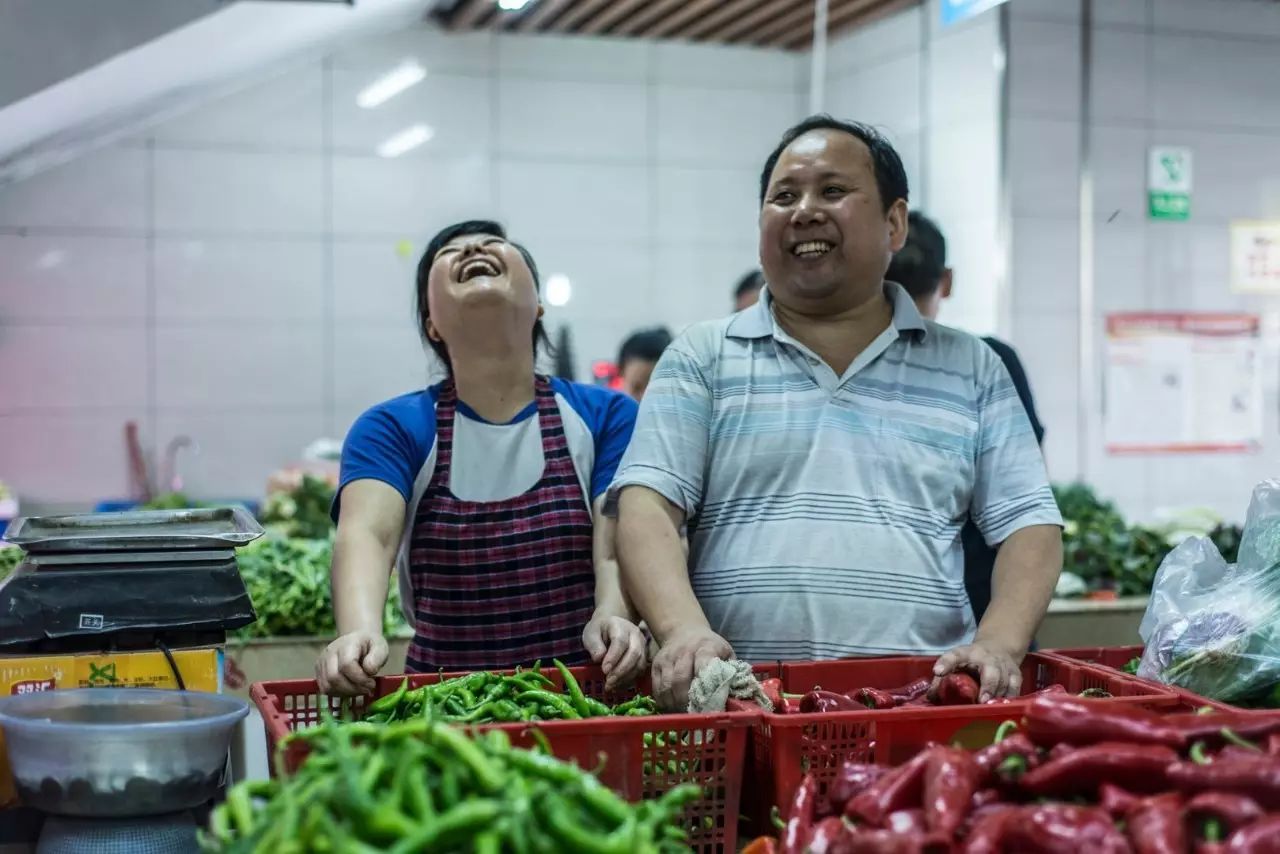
pixel 484 490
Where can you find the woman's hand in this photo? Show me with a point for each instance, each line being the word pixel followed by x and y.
pixel 618 646
pixel 347 666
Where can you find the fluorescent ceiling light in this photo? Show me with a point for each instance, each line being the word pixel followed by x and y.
pixel 559 289
pixel 513 5
pixel 406 140
pixel 392 83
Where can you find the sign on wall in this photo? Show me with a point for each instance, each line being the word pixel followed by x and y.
pixel 1255 256
pixel 1169 182
pixel 1182 383
pixel 955 11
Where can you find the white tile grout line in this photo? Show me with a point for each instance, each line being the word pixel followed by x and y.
pixel 328 286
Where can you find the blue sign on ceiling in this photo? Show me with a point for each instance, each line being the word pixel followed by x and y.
pixel 955 11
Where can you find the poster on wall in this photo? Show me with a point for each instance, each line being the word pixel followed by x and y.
pixel 1182 383
pixel 1255 256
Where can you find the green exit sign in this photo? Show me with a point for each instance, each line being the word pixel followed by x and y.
pixel 1169 183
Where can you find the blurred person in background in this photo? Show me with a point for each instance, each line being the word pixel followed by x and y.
pixel 747 291
pixel 639 353
pixel 827 445
pixel 921 268
pixel 484 490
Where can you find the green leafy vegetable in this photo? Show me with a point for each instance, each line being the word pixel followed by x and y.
pixel 10 557
pixel 1103 549
pixel 288 581
pixel 301 512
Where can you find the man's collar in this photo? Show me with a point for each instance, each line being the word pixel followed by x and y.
pixel 757 320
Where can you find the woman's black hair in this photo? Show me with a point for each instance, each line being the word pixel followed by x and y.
pixel 441 239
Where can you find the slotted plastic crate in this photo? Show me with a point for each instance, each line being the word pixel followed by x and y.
pixel 643 756
pixel 786 747
pixel 1116 657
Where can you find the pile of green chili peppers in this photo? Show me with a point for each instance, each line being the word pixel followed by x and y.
pixel 483 698
pixel 422 785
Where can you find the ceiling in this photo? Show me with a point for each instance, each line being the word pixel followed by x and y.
pixel 767 23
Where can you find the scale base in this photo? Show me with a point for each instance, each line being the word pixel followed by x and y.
pixel 159 834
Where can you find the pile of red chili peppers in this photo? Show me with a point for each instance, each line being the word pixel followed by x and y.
pixel 954 689
pixel 1075 775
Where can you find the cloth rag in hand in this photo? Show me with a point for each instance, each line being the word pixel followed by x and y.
pixel 718 681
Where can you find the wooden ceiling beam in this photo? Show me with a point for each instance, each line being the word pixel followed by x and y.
pixel 610 15
pixel 788 28
pixel 671 24
pixel 852 13
pixel 654 10
pixel 741 29
pixel 581 11
pixel 468 14
pixel 541 18
pixel 729 10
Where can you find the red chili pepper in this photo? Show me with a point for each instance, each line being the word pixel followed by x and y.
pixel 761 845
pixel 957 689
pixel 827 836
pixel 1258 778
pixel 951 778
pixel 1202 847
pixel 1055 688
pixel 1261 837
pixel 772 690
pixel 1155 825
pixel 983 798
pixel 800 819
pixel 1235 751
pixel 874 698
pixel 902 788
pixel 911 691
pixel 1273 744
pixel 907 821
pixel 1232 812
pixel 1064 829
pixel 987 831
pixel 990 758
pixel 1060 750
pixel 1138 767
pixel 1054 718
pixel 867 841
pixel 818 700
pixel 1209 727
pixel 1115 800
pixel 790 705
pixel 851 780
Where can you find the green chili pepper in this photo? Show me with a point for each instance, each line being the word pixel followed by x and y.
pixel 597 709
pixel 571 685
pixel 553 705
pixel 464 817
pixel 390 701
pixel 567 829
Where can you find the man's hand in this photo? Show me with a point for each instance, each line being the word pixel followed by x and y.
pixel 347 666
pixel 618 646
pixel 681 658
pixel 999 671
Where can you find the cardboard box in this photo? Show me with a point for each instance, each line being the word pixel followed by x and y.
pixel 201 670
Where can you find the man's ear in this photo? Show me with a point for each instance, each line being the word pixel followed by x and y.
pixel 898 225
pixel 944 284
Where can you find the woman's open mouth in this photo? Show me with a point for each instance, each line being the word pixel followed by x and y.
pixel 478 266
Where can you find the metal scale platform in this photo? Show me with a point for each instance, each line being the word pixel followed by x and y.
pixel 125 582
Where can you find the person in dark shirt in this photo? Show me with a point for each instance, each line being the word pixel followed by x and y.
pixel 921 268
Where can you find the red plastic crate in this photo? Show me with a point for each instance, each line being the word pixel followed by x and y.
pixel 709 750
pixel 786 747
pixel 1116 657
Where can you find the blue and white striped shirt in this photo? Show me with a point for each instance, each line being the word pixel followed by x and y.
pixel 825 511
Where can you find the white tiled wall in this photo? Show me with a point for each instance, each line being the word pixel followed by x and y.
pixel 1173 72
pixel 935 92
pixel 243 273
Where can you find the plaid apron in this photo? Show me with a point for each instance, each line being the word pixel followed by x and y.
pixel 502 583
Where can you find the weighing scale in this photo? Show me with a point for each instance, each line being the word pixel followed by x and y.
pixel 125 582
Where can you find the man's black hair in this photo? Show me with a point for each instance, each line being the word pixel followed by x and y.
pixel 646 345
pixel 919 265
pixel 749 283
pixel 891 176
pixel 441 239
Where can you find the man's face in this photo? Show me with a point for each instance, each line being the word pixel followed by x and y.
pixel 825 237
pixel 635 374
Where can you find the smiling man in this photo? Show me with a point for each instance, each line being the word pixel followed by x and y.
pixel 825 448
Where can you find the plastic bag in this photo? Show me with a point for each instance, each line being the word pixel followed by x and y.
pixel 1214 628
